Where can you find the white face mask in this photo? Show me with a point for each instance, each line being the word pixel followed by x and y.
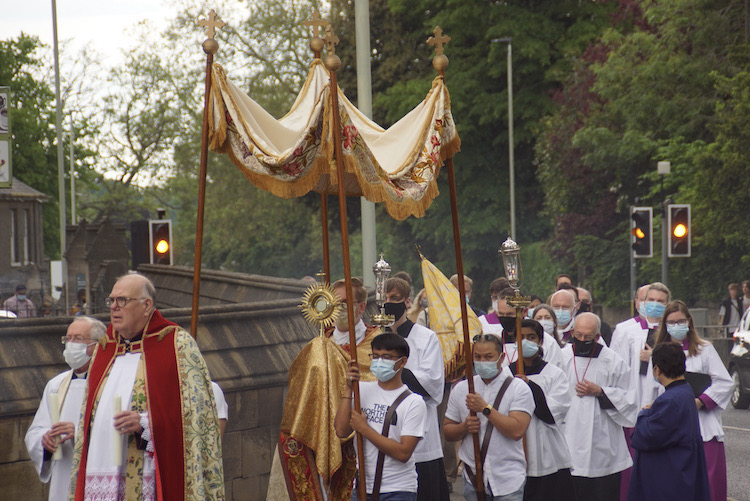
pixel 75 355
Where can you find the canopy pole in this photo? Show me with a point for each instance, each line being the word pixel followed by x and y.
pixel 479 483
pixel 326 250
pixel 333 63
pixel 210 46
pixel 440 63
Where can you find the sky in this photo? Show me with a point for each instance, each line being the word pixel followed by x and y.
pixel 102 23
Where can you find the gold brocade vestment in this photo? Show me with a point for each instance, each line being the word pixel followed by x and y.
pixel 312 456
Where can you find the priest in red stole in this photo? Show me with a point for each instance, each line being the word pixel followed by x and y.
pixel 317 465
pixel 149 429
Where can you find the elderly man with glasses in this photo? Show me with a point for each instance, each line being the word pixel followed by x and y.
pixel 55 422
pixel 150 411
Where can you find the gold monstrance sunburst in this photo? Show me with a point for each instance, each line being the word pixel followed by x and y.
pixel 320 306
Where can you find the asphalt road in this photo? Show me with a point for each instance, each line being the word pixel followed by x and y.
pixel 737 446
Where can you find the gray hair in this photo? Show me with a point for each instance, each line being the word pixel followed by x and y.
pixel 148 291
pixel 565 292
pixel 658 286
pixel 97 329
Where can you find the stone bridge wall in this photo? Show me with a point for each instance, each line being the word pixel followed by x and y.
pixel 249 330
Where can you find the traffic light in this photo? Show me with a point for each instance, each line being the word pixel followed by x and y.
pixel 679 230
pixel 160 241
pixel 641 231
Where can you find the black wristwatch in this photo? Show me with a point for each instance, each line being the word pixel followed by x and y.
pixel 487 410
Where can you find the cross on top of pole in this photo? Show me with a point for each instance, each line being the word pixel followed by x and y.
pixel 211 24
pixel 316 23
pixel 331 40
pixel 438 40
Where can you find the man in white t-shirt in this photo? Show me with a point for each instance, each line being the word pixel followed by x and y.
pixel 504 468
pixel 398 477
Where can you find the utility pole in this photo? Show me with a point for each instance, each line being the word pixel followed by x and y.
pixel 60 157
pixel 364 103
pixel 663 169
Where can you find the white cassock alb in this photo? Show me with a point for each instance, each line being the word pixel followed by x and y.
pixel 426 363
pixel 594 434
pixel 56 472
pixel 550 348
pixel 222 409
pixel 547 450
pixel 103 476
pixel 707 361
pixel 633 340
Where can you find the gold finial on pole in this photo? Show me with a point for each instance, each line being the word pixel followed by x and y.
pixel 331 61
pixel 440 61
pixel 316 23
pixel 210 45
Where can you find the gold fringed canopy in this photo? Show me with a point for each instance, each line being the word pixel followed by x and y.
pixel 293 155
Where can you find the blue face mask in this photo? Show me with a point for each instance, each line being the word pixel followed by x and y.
pixel 530 314
pixel 563 317
pixel 548 325
pixel 654 309
pixel 678 332
pixel 529 348
pixel 22 297
pixel 383 369
pixel 486 370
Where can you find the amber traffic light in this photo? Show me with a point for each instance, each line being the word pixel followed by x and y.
pixel 679 230
pixel 641 231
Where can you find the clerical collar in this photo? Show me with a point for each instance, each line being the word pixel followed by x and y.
pixel 79 375
pixel 535 368
pixel 134 345
pixel 674 384
pixel 404 329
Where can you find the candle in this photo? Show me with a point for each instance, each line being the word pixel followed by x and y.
pixel 117 446
pixel 54 410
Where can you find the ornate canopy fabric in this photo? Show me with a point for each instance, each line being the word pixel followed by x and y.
pixel 293 155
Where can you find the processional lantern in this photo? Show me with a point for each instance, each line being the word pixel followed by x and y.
pixel 382 271
pixel 511 253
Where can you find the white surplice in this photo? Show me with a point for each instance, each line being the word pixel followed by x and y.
pixel 545 443
pixel 56 472
pixel 594 435
pixel 551 351
pixel 105 480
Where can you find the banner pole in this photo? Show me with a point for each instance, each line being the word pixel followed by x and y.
pixel 210 46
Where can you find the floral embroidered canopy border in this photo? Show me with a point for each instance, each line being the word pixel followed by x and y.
pixel 293 155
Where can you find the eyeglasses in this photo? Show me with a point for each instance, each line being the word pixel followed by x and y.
pixel 120 301
pixel 75 339
pixel 375 356
pixel 681 322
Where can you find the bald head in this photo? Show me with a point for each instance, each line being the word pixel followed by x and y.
pixel 586 326
pixel 131 304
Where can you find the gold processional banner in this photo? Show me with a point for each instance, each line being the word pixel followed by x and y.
pixel 444 309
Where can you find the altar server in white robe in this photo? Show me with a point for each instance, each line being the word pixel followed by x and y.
pixel 548 471
pixel 65 390
pixel 502 323
pixel 634 344
pixel 639 320
pixel 602 402
pixel 711 385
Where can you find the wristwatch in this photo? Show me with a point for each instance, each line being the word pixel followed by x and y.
pixel 487 410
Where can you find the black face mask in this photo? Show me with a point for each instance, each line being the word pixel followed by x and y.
pixel 395 309
pixel 508 323
pixel 584 307
pixel 583 348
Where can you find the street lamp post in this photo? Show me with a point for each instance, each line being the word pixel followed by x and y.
pixel 511 160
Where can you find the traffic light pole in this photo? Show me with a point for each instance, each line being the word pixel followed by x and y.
pixel 664 237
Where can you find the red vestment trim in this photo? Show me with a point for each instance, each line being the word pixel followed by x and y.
pixel 164 403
